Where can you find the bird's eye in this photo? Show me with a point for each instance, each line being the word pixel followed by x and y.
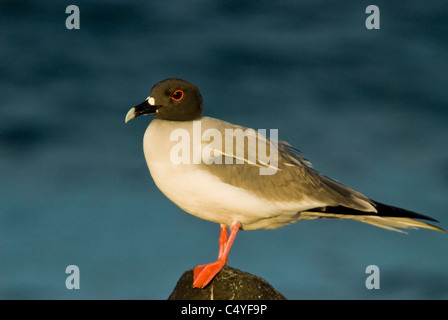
pixel 177 95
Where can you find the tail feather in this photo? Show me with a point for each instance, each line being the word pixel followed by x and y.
pixel 387 217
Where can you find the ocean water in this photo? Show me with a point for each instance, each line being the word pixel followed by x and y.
pixel 368 108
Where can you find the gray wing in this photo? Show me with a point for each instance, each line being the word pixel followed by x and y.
pixel 294 180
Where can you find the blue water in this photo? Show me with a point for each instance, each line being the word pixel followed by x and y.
pixel 367 107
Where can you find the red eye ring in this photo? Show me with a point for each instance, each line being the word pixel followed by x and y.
pixel 177 95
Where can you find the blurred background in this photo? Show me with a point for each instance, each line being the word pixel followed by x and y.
pixel 368 107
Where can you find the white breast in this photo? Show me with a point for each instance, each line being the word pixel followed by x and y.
pixel 204 195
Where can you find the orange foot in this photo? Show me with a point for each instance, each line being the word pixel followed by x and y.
pixel 202 275
pixel 205 273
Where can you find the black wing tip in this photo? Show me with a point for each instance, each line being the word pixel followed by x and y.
pixel 383 210
pixel 392 211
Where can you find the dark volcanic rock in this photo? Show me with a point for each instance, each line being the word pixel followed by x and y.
pixel 228 284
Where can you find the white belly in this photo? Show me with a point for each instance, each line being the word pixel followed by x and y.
pixel 204 195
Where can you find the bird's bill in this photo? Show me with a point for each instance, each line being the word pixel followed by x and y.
pixel 146 107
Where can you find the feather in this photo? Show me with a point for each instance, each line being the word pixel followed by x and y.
pixel 387 217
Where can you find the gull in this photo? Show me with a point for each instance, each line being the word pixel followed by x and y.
pixel 200 167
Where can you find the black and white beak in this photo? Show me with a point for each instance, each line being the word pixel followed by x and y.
pixel 146 107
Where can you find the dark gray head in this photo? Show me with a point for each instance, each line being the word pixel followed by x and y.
pixel 171 99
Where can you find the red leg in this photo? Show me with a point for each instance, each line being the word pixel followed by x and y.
pixel 222 246
pixel 222 240
pixel 203 274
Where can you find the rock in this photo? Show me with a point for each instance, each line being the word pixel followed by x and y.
pixel 228 284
